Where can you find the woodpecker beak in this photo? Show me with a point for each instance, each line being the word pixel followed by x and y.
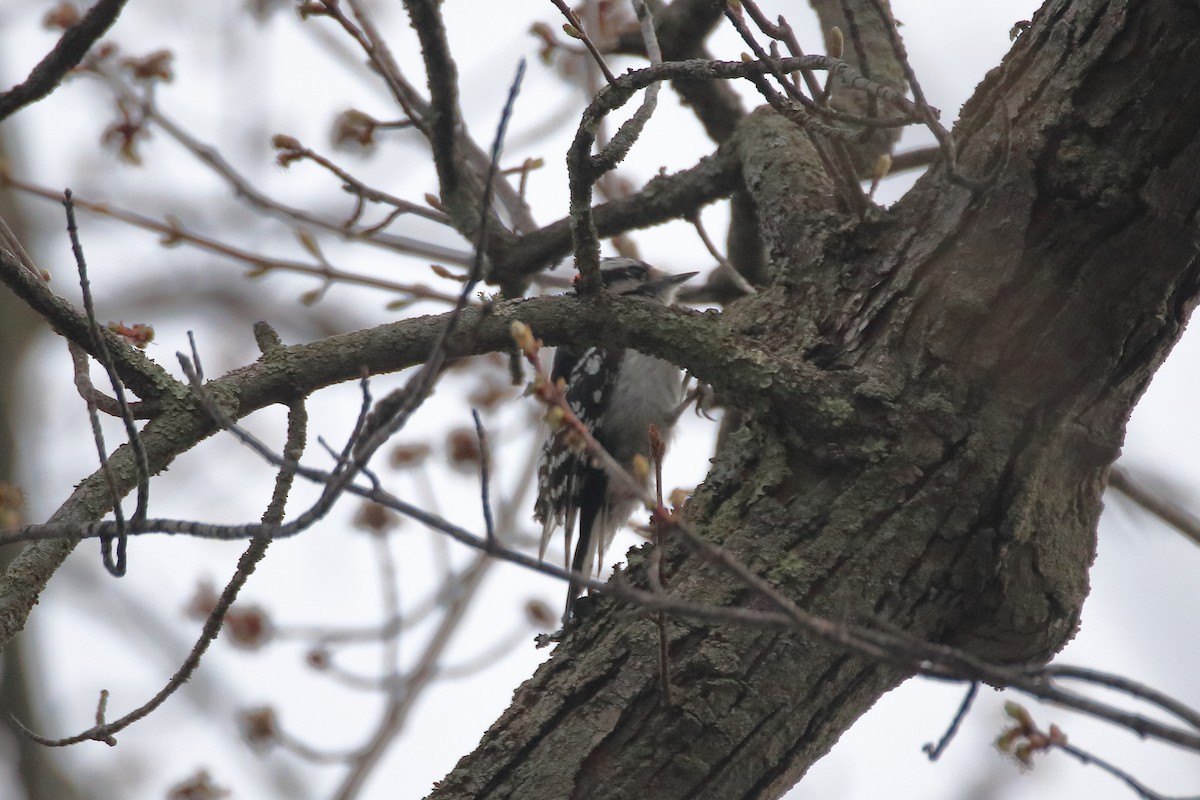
pixel 664 281
pixel 663 286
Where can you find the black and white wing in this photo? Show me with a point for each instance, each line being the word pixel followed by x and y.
pixel 570 488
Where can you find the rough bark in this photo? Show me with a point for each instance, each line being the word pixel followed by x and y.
pixel 988 348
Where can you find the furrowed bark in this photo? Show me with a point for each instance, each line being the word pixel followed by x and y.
pixel 995 343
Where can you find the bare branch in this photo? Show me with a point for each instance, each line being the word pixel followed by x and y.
pixel 663 198
pixel 66 55
pixel 584 169
pixel 137 372
pixel 579 29
pixel 105 731
pixel 1169 512
pixel 174 231
pixel 935 751
pixel 104 356
pixel 681 28
pixel 212 158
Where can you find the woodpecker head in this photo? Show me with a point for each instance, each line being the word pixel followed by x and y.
pixel 632 278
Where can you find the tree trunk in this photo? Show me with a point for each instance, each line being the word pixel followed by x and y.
pixel 983 350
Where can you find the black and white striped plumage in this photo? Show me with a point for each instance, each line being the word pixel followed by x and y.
pixel 617 393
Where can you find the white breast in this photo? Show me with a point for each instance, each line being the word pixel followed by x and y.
pixel 649 394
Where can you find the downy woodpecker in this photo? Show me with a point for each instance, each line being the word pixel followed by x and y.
pixel 617 393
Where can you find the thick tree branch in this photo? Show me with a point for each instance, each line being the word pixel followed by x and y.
pixel 461 185
pixel 933 396
pixel 693 340
pixel 148 380
pixel 1005 333
pixel 662 199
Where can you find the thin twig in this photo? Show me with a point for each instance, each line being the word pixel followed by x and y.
pixel 141 462
pixel 783 32
pixel 583 36
pixel 425 671
pixel 836 162
pixel 1086 758
pixel 418 388
pixel 87 391
pixel 931 116
pixel 419 110
pixel 12 243
pixel 930 660
pixel 935 751
pixel 105 731
pixel 1120 684
pixel 736 278
pixel 485 459
pixel 583 170
pixel 291 149
pixel 1169 512
pixel 586 239
pixel 209 156
pixel 389 585
pixel 173 232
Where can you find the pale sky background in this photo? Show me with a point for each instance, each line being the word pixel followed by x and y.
pixel 237 84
